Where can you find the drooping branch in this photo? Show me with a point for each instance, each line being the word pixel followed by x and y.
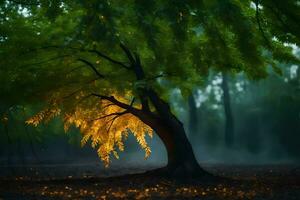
pixel 109 58
pixel 89 64
pixel 115 114
pixel 114 119
pixel 93 51
pixel 46 61
pixel 108 105
pixel 257 15
pixel 74 69
pixel 110 115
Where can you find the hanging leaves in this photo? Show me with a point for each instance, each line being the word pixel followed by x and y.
pixel 105 125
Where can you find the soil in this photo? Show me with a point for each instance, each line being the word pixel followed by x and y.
pixel 239 182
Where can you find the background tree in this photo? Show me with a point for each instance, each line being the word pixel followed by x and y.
pixel 229 120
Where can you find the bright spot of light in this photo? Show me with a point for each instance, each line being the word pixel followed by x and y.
pixel 293 71
pixel 200 97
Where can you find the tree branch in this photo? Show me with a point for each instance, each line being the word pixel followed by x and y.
pixel 110 115
pixel 139 73
pixel 117 103
pixel 24 3
pixel 128 54
pixel 109 58
pixel 119 114
pixel 48 60
pixel 259 24
pixel 278 16
pixel 91 66
pixel 116 114
pixel 114 118
pixel 94 51
pixel 108 105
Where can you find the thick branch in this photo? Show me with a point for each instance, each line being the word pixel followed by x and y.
pixel 138 69
pixel 91 66
pixel 139 73
pixel 161 106
pixel 128 54
pixel 117 103
pixel 108 58
pixel 145 103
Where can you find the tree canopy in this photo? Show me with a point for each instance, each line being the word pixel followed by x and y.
pixel 92 61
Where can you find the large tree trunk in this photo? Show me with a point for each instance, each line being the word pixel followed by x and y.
pixel 229 121
pixel 181 158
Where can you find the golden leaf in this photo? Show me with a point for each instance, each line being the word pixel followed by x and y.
pixel 105 124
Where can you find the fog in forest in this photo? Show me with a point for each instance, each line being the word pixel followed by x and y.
pixel 229 119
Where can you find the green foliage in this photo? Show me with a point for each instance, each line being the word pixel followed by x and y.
pixel 182 40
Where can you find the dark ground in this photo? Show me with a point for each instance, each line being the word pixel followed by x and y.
pixel 80 182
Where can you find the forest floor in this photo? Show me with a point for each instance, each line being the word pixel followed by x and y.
pixel 246 182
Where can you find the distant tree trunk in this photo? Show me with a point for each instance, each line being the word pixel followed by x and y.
pixel 20 152
pixel 9 142
pixel 31 143
pixel 229 121
pixel 193 117
pixel 9 153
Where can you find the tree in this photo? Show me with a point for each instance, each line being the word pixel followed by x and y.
pixel 107 67
pixel 229 120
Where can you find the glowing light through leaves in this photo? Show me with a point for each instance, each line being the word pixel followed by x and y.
pixel 105 125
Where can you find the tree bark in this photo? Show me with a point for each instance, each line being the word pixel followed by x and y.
pixel 181 158
pixel 229 121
